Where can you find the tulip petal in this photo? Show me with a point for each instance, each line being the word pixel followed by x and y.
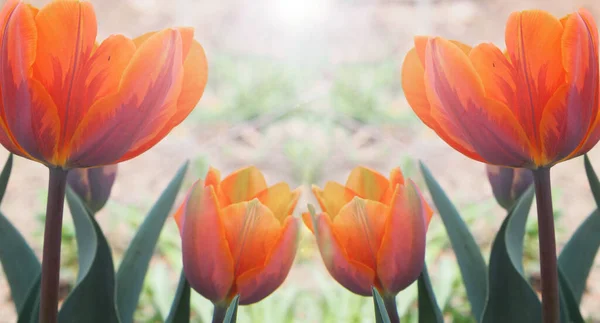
pixel 251 230
pixel 243 184
pixel 213 177
pixel 207 261
pixel 359 228
pixel 402 254
pixel 30 119
pixel 146 101
pixel 351 274
pixel 67 34
pixel 496 73
pixel 258 283
pixel 306 218
pixel 533 43
pixel 367 183
pixel 333 197
pixel 396 178
pixel 459 106
pixel 277 198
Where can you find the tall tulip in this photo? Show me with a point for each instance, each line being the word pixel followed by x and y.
pixel 371 232
pixel 238 237
pixel 532 106
pixel 70 102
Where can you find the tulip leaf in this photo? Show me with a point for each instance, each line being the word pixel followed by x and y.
pixel 470 261
pixel 429 311
pixel 592 179
pixel 511 298
pixel 133 268
pixel 569 307
pixel 180 309
pixel 19 262
pixel 31 308
pixel 381 314
pixel 231 314
pixel 577 257
pixel 93 297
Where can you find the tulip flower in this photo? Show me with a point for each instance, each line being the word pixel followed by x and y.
pixel 93 185
pixel 238 236
pixel 371 232
pixel 508 183
pixel 531 106
pixel 68 101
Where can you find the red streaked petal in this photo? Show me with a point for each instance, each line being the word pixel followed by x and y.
pixel 207 261
pixel 533 41
pixel 258 283
pixel 351 274
pixel 402 254
pixel 459 106
pixel 496 73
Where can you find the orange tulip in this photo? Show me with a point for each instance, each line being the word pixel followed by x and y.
pixel 238 236
pixel 68 101
pixel 532 106
pixel 371 232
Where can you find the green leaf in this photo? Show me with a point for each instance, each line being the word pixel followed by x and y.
pixel 29 313
pixel 470 261
pixel 592 179
pixel 429 311
pixel 133 268
pixel 569 307
pixel 92 299
pixel 5 175
pixel 231 314
pixel 511 298
pixel 180 309
pixel 381 314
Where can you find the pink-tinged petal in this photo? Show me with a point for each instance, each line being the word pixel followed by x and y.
pixel 30 117
pixel 367 183
pixel 459 106
pixel 533 42
pixel 353 275
pixel 258 283
pixel 243 184
pixel 207 261
pixel 402 253
pixel 147 98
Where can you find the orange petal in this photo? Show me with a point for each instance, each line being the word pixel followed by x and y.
pixel 396 178
pixel 258 283
pixel 29 114
pixel 459 106
pixel 333 197
pixel 359 228
pixel 496 74
pixel 243 184
pixel 207 261
pixel 402 254
pixel 306 218
pixel 117 125
pixel 251 230
pixel 277 198
pixel 533 42
pixel 67 33
pixel 367 183
pixel 213 177
pixel 353 275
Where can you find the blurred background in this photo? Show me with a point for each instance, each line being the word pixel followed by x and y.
pixel 305 90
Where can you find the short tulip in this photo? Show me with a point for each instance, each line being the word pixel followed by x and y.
pixel 70 102
pixel 371 232
pixel 531 106
pixel 508 183
pixel 238 236
pixel 93 185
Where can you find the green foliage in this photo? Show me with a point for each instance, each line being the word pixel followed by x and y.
pixel 381 314
pixel 429 311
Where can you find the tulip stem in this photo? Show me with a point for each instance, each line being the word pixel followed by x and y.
pixel 219 313
pixel 52 239
pixel 548 266
pixel 390 306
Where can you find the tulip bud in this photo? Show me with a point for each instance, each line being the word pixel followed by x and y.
pixel 93 185
pixel 508 183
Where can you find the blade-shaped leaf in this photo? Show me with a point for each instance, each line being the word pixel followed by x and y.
pixel 31 308
pixel 133 268
pixel 231 314
pixel 429 311
pixel 5 175
pixel 592 179
pixel 511 298
pixel 470 261
pixel 180 309
pixel 569 307
pixel 381 314
pixel 92 299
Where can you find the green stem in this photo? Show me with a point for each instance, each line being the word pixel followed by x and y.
pixel 391 307
pixel 547 241
pixel 52 239
pixel 219 313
